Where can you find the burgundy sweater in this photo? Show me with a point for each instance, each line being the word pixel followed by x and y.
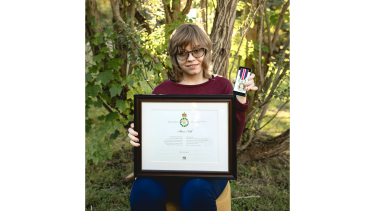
pixel 215 86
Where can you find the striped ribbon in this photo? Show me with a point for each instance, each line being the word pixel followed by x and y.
pixel 243 73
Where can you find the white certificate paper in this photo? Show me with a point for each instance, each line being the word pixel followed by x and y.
pixel 185 136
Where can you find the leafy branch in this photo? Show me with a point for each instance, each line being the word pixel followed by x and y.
pixel 122 22
pixel 243 35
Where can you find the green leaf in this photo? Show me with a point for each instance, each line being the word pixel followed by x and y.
pixel 117 75
pixel 128 81
pixel 88 76
pixel 100 65
pixel 93 69
pixel 264 48
pixel 127 104
pixel 159 67
pixel 115 89
pixel 127 112
pixel 101 118
pixel 115 63
pixel 114 52
pixel 114 135
pixel 113 36
pixel 96 160
pixel 112 116
pixel 169 63
pixel 89 102
pixel 93 90
pixel 95 26
pixel 98 103
pixel 130 94
pixel 99 39
pixel 120 105
pixel 105 77
pixel 104 49
pixel 87 128
pixel 98 58
pixel 108 31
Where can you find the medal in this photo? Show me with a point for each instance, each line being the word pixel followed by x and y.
pixel 242 79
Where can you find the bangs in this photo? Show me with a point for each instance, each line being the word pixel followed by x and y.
pixel 189 36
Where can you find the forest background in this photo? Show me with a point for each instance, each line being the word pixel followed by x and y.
pixel 126 44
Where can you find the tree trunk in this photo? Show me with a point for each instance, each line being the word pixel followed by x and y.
pixel 172 14
pixel 259 150
pixel 124 11
pixel 92 10
pixel 131 15
pixel 221 35
pixel 142 20
pixel 203 14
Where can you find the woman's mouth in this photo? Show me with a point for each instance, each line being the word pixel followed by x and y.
pixel 192 66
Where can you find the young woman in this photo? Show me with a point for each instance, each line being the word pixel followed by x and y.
pixel 190 52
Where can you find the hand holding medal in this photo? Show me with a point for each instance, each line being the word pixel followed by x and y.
pixel 244 82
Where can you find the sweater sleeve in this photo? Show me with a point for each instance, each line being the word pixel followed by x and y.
pixel 240 112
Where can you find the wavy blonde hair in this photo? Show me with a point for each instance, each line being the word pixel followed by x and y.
pixel 183 36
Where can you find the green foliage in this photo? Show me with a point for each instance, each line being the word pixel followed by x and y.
pixel 116 69
pixel 104 77
pixel 107 84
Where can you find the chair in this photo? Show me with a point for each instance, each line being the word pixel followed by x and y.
pixel 223 203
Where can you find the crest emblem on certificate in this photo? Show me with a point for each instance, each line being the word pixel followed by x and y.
pixel 184 157
pixel 184 122
pixel 242 78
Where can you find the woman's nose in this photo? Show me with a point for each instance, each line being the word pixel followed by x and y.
pixel 190 56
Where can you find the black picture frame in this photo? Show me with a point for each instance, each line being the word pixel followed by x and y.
pixel 231 174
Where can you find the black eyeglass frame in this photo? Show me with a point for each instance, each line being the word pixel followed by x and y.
pixel 188 53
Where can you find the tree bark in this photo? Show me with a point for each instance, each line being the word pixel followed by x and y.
pixel 203 14
pixel 259 150
pixel 142 20
pixel 131 14
pixel 221 35
pixel 92 10
pixel 120 46
pixel 278 26
pixel 172 14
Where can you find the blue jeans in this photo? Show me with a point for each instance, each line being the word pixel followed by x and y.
pixel 195 194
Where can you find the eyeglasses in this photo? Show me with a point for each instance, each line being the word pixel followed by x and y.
pixel 197 53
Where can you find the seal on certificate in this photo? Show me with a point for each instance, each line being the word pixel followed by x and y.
pixel 184 122
pixel 184 158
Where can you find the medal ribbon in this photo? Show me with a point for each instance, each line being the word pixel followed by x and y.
pixel 243 73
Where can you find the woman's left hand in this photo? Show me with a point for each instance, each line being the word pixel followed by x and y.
pixel 249 85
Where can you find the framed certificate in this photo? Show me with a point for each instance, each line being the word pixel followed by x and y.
pixel 185 136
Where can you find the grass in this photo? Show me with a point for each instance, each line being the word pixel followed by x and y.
pixel 105 186
pixel 269 179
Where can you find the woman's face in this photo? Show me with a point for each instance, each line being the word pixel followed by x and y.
pixel 192 65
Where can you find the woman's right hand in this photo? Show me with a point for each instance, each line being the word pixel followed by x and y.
pixel 132 134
